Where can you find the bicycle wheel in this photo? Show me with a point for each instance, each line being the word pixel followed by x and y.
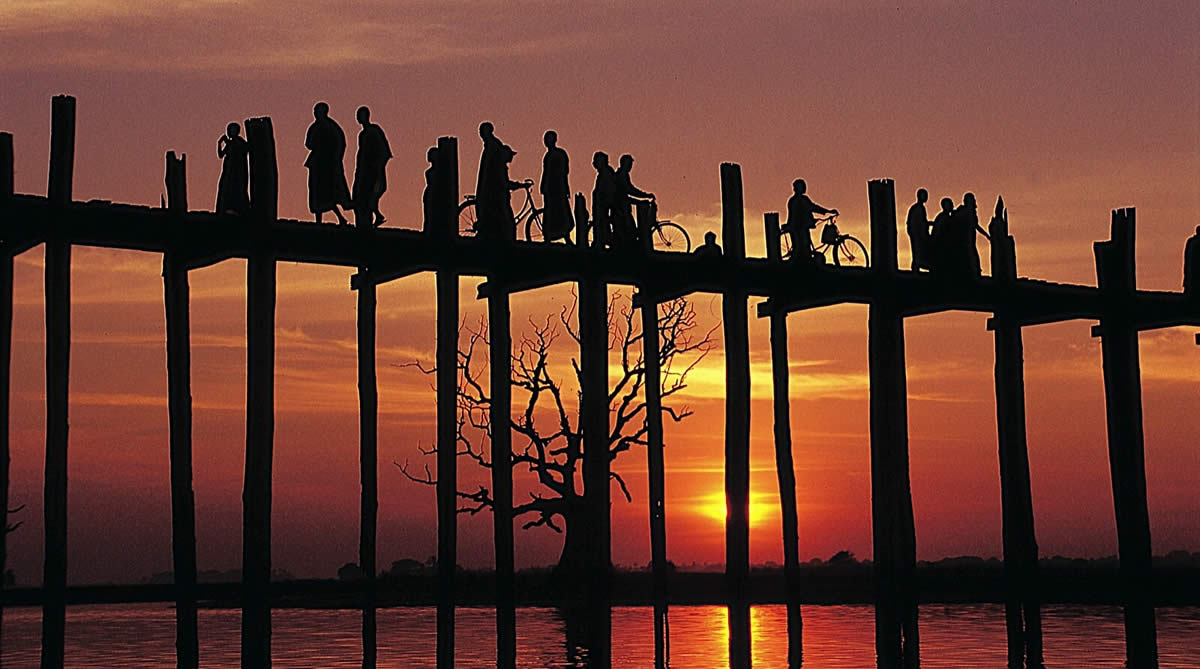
pixel 669 236
pixel 533 226
pixel 851 252
pixel 467 218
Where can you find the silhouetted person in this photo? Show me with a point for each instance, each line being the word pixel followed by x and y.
pixel 604 194
pixel 233 188
pixel 493 209
pixel 940 252
pixel 370 167
pixel 710 248
pixel 624 228
pixel 802 217
pixel 326 144
pixel 1191 266
pixel 429 197
pixel 918 231
pixel 555 189
pixel 966 224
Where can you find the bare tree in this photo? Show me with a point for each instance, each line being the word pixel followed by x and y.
pixel 548 439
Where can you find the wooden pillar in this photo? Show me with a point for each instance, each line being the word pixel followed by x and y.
pixel 7 184
pixel 655 464
pixel 179 410
pixel 500 353
pixel 737 421
pixel 1126 441
pixel 447 411
pixel 784 467
pixel 1022 605
pixel 893 531
pixel 58 349
pixel 260 397
pixel 6 306
pixel 368 458
pixel 593 332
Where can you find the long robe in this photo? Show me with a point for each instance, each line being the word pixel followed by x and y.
pixel 233 188
pixel 370 166
pixel 327 187
pixel 556 193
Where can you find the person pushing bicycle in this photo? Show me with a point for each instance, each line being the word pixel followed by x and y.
pixel 802 213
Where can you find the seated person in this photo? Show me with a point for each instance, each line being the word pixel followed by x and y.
pixel 710 248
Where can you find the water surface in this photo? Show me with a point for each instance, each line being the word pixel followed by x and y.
pixel 835 637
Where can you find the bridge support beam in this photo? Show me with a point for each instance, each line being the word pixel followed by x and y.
pixel 58 349
pixel 1021 605
pixel 6 307
pixel 593 334
pixel 447 409
pixel 368 458
pixel 260 397
pixel 176 297
pixel 893 530
pixel 655 462
pixel 1126 441
pixel 737 422
pixel 784 466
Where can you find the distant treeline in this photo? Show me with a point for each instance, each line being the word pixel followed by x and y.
pixel 842 579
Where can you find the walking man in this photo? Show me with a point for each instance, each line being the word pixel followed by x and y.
pixel 370 170
pixel 326 144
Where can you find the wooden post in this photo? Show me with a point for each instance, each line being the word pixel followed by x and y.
pixel 6 307
pixel 7 183
pixel 652 355
pixel 1022 605
pixel 260 397
pixel 784 467
pixel 500 358
pixel 58 349
pixel 179 410
pixel 581 221
pixel 593 333
pixel 368 458
pixel 893 532
pixel 1126 440
pixel 737 422
pixel 447 413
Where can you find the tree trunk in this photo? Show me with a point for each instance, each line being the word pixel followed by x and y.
pixel 576 539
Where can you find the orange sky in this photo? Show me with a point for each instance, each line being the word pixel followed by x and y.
pixel 1067 110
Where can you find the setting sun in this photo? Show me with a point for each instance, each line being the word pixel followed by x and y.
pixel 713 506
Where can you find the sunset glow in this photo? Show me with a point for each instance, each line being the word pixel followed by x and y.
pixel 1067 110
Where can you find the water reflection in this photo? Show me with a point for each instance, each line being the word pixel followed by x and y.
pixel 835 637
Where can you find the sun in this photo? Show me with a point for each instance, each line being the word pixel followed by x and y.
pixel 712 506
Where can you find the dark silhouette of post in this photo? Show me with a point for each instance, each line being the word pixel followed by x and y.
pixel 1021 605
pixel 7 173
pixel 652 355
pixel 1118 332
pixel 260 396
pixel 593 334
pixel 6 309
pixel 737 422
pixel 447 411
pixel 368 458
pixel 784 467
pixel 893 531
pixel 176 298
pixel 500 352
pixel 58 350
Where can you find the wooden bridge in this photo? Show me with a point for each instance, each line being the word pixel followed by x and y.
pixel 188 240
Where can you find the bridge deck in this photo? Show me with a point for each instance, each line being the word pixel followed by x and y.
pixel 205 238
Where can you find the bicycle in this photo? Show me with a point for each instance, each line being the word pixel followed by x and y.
pixel 846 249
pixel 528 215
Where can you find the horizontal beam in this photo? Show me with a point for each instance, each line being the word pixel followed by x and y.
pixel 206 238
